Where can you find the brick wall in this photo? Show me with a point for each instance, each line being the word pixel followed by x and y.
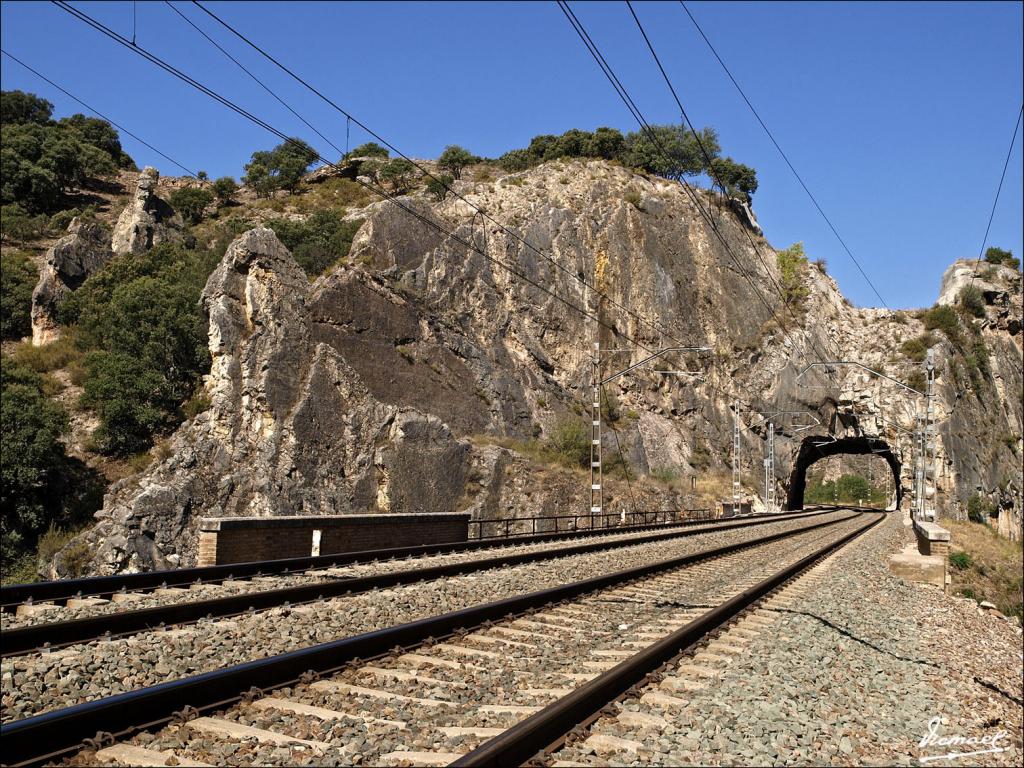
pixel 246 539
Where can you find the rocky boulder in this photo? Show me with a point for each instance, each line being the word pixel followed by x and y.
pixel 147 220
pixel 69 262
pixel 291 428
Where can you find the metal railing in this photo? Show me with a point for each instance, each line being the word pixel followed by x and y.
pixel 505 528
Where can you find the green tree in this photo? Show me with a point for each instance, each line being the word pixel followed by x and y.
pixel 793 270
pixel 972 300
pixel 30 473
pixel 670 151
pixel 439 186
pixel 370 149
pixel 130 397
pixel 606 143
pixel 454 159
pixel 318 242
pixel 996 255
pixel 516 160
pixel 100 134
pixel 279 168
pixel 190 202
pixel 399 174
pixel 139 318
pixel 734 179
pixel 19 277
pixel 21 107
pixel 224 188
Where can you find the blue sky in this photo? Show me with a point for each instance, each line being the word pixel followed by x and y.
pixel 898 116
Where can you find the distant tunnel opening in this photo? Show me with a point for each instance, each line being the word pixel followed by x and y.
pixel 816 448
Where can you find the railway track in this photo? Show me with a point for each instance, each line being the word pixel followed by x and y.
pixel 483 685
pixel 125 613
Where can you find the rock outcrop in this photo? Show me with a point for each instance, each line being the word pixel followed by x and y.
pixel 69 262
pixel 386 384
pixel 147 220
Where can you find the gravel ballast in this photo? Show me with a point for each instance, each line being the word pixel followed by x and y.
pixel 595 628
pixel 38 683
pixel 852 673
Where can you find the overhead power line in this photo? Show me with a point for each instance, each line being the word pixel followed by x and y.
pixel 708 159
pixel 999 189
pixel 799 178
pixel 255 79
pixel 657 326
pixel 99 114
pixel 652 136
pixel 157 61
pixel 287 139
pixel 349 119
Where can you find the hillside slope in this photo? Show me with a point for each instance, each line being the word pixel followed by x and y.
pixel 417 374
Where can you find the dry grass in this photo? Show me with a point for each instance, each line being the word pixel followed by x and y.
pixel 991 569
pixel 49 357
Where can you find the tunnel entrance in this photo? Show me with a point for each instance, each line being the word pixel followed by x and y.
pixel 817 447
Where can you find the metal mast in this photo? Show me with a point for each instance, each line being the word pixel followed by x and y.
pixel 769 471
pixel 736 458
pixel 596 468
pixel 931 444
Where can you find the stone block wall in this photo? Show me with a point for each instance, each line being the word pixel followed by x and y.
pixel 247 539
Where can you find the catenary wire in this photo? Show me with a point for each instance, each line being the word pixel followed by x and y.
pixel 660 328
pixel 255 79
pixel 799 178
pixel 999 189
pixel 99 114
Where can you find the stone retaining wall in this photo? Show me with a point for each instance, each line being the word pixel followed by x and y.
pixel 246 539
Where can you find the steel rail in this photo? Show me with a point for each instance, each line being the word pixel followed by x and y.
pixel 26 639
pixel 52 735
pixel 104 586
pixel 550 725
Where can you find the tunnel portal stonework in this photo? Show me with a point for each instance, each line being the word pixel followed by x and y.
pixel 816 447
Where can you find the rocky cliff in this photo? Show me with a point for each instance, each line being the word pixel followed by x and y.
pixel 404 378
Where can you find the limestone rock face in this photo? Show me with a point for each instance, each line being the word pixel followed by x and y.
pixel 69 262
pixel 147 220
pixel 291 428
pixel 397 381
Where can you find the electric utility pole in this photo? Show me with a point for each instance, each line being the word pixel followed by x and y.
pixel 769 470
pixel 736 458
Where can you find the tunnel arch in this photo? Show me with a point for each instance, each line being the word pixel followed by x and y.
pixel 817 447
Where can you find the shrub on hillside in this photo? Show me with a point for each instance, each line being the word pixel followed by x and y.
pixel 943 318
pixel 972 300
pixel 318 242
pixel 917 348
pixel 735 179
pixel 18 225
pixel 439 186
pixel 979 509
pixel 224 188
pixel 37 480
pixel 793 270
pixel 18 276
pixel 400 174
pixel 369 149
pixel 41 159
pixel 960 560
pixel 190 202
pixel 139 318
pixel 454 159
pixel 279 168
pixel 569 442
pixel 1001 256
pixel 671 151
